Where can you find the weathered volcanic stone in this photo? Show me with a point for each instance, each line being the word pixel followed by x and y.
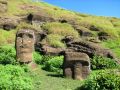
pixel 3 6
pixel 25 45
pixel 90 49
pixel 76 65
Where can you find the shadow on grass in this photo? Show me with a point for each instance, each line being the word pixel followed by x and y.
pixel 56 75
pixel 80 88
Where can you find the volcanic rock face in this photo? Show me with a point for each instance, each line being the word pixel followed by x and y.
pixel 76 65
pixel 8 23
pixel 25 45
pixel 3 6
pixel 90 49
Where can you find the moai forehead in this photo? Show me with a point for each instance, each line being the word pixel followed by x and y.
pixel 77 57
pixel 25 31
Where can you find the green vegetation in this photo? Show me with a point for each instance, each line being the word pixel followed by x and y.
pixel 44 80
pixel 62 29
pixel 48 75
pixel 114 45
pixel 7 55
pixel 49 63
pixel 54 40
pixel 102 80
pixel 7 37
pixel 99 62
pixel 54 64
pixel 14 78
pixel 57 31
pixel 37 57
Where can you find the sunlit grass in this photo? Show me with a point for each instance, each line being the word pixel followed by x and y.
pixel 7 37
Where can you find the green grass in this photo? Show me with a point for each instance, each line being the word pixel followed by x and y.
pixel 57 31
pixel 63 29
pixel 114 45
pixel 54 40
pixel 7 37
pixel 48 80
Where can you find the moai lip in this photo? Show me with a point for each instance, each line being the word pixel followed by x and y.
pixel 25 40
pixel 76 65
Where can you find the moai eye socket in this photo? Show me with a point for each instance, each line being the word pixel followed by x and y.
pixel 20 35
pixel 30 35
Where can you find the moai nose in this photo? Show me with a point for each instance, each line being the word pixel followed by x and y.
pixel 24 40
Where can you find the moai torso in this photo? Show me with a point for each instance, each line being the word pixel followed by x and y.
pixel 25 45
pixel 76 65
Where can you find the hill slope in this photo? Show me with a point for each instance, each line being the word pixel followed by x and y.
pixel 58 23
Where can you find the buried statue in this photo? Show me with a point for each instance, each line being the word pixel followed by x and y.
pixel 25 40
pixel 76 65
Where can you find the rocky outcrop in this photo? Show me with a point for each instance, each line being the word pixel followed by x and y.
pixel 3 6
pixel 90 49
pixel 8 23
pixel 48 50
pixel 103 36
pixel 39 18
pixel 84 32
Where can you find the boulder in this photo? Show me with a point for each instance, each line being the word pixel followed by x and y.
pixel 9 23
pixel 103 36
pixel 48 50
pixel 84 31
pixel 39 18
pixel 3 6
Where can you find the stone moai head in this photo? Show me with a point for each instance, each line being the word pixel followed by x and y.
pixel 25 40
pixel 76 65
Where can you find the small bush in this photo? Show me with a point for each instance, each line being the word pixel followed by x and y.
pixel 14 78
pixel 7 55
pixel 54 64
pixel 102 80
pixel 37 57
pixel 99 62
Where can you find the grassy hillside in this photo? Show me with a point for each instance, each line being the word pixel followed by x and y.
pixel 73 22
pixel 57 23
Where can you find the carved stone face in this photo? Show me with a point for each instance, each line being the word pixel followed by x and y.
pixel 76 65
pixel 25 45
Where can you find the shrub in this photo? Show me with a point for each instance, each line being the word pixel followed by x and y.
pixel 99 62
pixel 14 78
pixel 54 64
pixel 37 57
pixel 7 55
pixel 102 80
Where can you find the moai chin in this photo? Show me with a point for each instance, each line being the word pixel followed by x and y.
pixel 76 65
pixel 25 40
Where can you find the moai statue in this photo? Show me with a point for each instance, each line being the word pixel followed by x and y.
pixel 25 39
pixel 76 65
